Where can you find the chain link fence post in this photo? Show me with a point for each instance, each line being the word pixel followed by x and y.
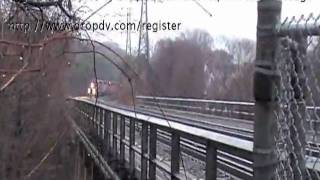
pixel 265 82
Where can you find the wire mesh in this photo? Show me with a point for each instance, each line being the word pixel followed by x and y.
pixel 297 94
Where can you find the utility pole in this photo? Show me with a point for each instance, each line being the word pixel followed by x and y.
pixel 143 48
pixel 128 40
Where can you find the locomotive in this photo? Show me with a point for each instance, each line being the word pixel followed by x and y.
pixel 103 88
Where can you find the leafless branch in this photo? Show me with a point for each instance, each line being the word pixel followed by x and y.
pixel 46 4
pixel 13 78
pixel 45 157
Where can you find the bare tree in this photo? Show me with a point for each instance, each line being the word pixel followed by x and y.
pixel 228 70
pixel 179 64
pixel 242 50
pixel 219 67
pixel 199 37
pixel 32 96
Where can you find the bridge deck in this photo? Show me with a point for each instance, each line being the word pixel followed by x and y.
pixel 116 127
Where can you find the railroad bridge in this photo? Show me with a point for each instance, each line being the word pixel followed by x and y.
pixel 120 142
pixel 274 137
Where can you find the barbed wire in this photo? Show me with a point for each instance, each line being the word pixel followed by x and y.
pixel 302 25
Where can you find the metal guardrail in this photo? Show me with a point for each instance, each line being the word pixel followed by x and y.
pixel 109 127
pixel 232 109
pixel 231 130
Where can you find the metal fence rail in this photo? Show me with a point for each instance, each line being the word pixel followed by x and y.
pixel 114 130
pixel 232 109
pixel 199 120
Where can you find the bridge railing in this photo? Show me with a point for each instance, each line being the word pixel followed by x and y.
pixel 131 141
pixel 231 109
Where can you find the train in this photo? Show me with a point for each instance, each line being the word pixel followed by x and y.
pixel 103 88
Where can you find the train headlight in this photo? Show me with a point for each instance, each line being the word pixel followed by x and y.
pixel 92 85
pixel 94 92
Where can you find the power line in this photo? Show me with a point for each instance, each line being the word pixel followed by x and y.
pixel 202 7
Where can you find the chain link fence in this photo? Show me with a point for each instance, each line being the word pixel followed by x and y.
pixel 297 99
pixel 287 94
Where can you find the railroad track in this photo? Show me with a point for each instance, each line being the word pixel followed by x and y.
pixel 240 132
pixel 313 149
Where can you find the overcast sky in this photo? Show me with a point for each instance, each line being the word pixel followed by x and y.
pixel 231 18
